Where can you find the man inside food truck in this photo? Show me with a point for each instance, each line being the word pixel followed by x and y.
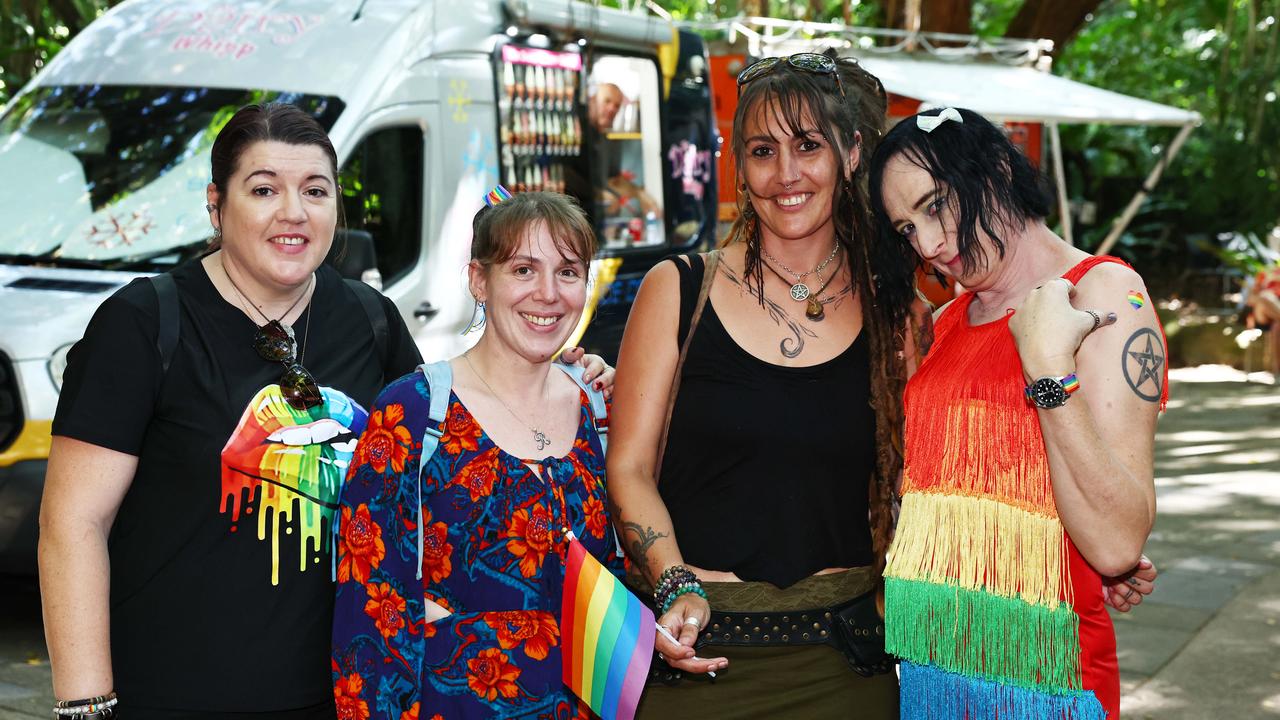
pixel 623 195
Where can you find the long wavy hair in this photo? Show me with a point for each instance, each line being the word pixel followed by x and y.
pixel 883 275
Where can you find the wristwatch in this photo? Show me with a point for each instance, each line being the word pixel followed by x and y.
pixel 1051 392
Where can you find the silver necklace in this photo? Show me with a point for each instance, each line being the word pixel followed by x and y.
pixel 799 291
pixel 538 436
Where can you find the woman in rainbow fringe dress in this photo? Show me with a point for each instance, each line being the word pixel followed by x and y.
pixel 1029 438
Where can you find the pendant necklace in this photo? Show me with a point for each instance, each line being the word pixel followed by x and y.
pixel 280 320
pixel 813 304
pixel 539 437
pixel 799 290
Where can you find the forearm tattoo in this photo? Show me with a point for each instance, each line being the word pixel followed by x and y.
pixel 638 548
pixel 1143 363
pixel 790 347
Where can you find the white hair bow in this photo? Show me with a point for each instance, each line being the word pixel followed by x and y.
pixel 927 123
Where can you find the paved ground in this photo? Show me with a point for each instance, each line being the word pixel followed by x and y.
pixel 1206 645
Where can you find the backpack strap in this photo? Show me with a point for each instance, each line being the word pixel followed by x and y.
pixel 439 387
pixel 369 300
pixel 167 335
pixel 599 409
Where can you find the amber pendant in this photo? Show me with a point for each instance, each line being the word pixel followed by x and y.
pixel 814 310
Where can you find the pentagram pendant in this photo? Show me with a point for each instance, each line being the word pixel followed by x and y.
pixel 540 438
pixel 799 292
pixel 814 310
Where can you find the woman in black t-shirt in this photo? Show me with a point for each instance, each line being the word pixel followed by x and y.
pixel 210 446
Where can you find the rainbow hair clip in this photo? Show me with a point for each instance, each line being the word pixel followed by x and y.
pixel 497 195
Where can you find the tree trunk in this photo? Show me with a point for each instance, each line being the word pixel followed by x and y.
pixel 1056 20
pixel 951 16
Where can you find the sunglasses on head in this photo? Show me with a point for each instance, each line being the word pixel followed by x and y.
pixel 805 62
pixel 274 342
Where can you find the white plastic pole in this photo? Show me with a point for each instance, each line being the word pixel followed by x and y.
pixel 1060 178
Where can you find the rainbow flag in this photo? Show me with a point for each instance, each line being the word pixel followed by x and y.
pixel 606 637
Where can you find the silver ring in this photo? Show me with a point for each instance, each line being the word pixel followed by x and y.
pixel 693 621
pixel 1097 319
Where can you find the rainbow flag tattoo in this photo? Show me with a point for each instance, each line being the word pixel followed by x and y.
pixel 606 637
pixel 1136 300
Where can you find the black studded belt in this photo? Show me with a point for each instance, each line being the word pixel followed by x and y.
pixel 854 628
pixel 803 627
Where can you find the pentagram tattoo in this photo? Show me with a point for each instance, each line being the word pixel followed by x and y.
pixel 1143 364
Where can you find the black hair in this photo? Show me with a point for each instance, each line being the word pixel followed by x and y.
pixel 988 182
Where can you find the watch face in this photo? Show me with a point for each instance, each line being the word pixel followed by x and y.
pixel 1047 393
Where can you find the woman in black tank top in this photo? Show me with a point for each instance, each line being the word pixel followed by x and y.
pixel 773 485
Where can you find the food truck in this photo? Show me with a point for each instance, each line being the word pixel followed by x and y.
pixel 104 159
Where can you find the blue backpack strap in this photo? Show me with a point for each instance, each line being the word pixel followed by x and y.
pixel 439 387
pixel 599 410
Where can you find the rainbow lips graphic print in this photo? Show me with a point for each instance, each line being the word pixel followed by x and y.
pixel 291 463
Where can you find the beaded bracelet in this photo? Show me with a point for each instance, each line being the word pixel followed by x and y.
pixel 668 580
pixel 90 706
pixel 694 587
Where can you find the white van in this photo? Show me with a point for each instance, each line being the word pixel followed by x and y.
pixel 104 158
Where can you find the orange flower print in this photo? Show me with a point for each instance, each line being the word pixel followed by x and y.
pixel 478 475
pixel 537 630
pixel 411 713
pixel 491 674
pixel 386 607
pixel 530 538
pixel 385 441
pixel 597 520
pixel 437 551
pixel 346 695
pixel 588 479
pixel 461 432
pixel 360 547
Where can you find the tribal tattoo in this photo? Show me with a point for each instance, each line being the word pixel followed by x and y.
pixel 1143 363
pixel 790 347
pixel 638 548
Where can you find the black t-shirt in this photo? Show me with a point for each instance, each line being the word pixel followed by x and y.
pixel 221 596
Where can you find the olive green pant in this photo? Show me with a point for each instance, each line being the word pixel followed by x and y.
pixel 788 681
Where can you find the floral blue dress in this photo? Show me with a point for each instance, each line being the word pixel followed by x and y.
pixel 492 554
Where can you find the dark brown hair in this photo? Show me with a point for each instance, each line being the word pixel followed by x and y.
pixel 884 280
pixel 496 232
pixel 266 122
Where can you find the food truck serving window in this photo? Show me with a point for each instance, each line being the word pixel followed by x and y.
pixel 624 144
pixel 120 171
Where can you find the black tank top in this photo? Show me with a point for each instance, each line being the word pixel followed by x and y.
pixel 766 467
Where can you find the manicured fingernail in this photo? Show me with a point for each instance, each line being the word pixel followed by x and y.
pixel 1111 317
pixel 598 385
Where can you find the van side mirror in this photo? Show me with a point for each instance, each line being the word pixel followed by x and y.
pixel 354 256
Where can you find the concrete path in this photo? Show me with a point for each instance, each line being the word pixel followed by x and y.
pixel 1205 646
pixel 1207 643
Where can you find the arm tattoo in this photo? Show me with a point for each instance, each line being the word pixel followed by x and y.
pixel 1143 363
pixel 790 347
pixel 645 538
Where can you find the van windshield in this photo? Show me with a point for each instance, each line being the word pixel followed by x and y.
pixel 114 176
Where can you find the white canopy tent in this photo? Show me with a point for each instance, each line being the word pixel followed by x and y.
pixel 1022 94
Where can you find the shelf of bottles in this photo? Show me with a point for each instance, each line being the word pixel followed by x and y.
pixel 540 128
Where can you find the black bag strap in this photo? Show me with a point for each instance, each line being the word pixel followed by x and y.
pixel 167 335
pixel 369 300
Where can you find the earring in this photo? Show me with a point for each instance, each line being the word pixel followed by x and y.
pixel 217 231
pixel 210 207
pixel 477 319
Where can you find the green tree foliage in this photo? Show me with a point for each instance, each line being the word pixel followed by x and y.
pixel 1218 58
pixel 32 32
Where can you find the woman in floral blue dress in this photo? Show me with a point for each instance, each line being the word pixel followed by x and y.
pixel 449 579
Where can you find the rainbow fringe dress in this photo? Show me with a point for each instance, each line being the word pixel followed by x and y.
pixel 989 605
